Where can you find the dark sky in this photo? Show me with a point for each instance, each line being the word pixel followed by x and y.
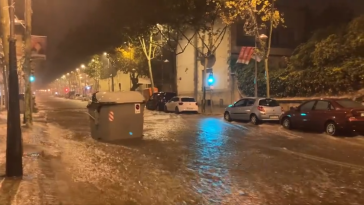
pixel 55 18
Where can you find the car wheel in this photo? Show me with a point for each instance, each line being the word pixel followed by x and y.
pixel 254 119
pixel 165 109
pixel 286 123
pixel 176 110
pixel 227 116
pixel 331 128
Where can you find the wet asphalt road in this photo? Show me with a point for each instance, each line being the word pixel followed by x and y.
pixel 196 159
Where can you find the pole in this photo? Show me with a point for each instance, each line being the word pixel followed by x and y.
pixel 256 71
pixel 112 76
pixel 14 147
pixel 27 64
pixel 266 61
pixel 204 86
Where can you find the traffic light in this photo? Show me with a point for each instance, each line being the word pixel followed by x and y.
pixel 211 80
pixel 66 90
pixel 31 78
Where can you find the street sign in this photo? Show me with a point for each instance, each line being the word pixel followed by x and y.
pixel 211 60
pixel 137 108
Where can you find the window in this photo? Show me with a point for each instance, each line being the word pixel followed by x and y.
pixel 268 103
pixel 322 105
pixel 174 99
pixel 242 39
pixel 250 102
pixel 188 100
pixel 349 104
pixel 240 103
pixel 307 106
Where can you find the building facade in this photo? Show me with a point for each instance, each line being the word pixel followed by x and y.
pixel 225 90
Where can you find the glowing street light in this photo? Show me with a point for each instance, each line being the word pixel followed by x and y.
pixel 83 66
pixel 105 54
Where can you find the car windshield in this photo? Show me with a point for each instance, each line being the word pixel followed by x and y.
pixel 268 103
pixel 350 104
pixel 188 100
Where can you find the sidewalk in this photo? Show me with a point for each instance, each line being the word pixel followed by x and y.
pixel 37 182
pixel 215 110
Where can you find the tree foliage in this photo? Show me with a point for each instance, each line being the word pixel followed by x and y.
pixel 330 63
pixel 95 69
pixel 131 60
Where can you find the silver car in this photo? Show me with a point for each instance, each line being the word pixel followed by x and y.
pixel 255 110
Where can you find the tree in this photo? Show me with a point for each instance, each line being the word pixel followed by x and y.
pixel 5 28
pixel 150 47
pixel 131 60
pixel 94 69
pixel 332 64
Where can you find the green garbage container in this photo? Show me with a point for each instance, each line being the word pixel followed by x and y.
pixel 116 115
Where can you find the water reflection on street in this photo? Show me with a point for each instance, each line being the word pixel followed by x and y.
pixel 203 160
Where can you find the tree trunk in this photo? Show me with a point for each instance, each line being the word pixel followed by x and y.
pixel 174 73
pixel 149 61
pixel 134 81
pixel 28 118
pixel 151 74
pixel 5 27
pixel 267 53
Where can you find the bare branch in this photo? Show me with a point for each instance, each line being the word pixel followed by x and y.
pixel 142 42
pixel 221 36
pixel 202 40
pixel 188 43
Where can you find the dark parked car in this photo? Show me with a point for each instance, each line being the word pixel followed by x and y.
pixel 331 115
pixel 158 100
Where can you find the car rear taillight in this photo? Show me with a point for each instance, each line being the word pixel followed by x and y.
pixel 180 103
pixel 261 108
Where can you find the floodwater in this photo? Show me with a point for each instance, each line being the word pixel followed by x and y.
pixel 183 159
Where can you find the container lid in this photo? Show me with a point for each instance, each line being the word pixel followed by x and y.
pixel 119 97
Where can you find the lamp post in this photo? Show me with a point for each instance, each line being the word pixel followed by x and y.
pixel 14 146
pixel 108 68
pixel 261 37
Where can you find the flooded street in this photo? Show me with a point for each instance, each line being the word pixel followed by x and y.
pixel 190 159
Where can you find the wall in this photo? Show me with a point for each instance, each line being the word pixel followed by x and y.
pixel 189 72
pixel 123 79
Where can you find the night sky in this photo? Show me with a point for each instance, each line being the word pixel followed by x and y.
pixel 56 18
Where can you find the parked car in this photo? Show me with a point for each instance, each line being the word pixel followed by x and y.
pixel 330 115
pixel 255 110
pixel 180 104
pixel 158 100
pixel 78 96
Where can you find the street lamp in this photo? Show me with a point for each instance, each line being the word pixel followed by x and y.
pixel 261 37
pixel 108 68
pixel 264 37
pixel 83 66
